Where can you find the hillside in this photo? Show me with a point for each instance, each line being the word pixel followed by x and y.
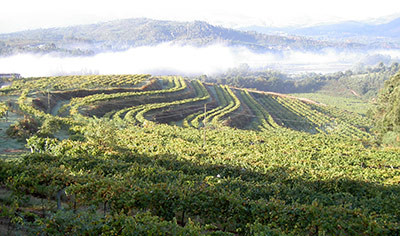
pixel 137 154
pixel 387 112
pixel 123 34
pixel 363 83
pixel 173 100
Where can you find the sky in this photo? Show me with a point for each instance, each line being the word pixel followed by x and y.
pixel 17 15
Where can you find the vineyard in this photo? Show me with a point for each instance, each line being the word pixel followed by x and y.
pixel 137 154
pixel 176 101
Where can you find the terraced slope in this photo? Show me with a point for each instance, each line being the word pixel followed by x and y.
pixel 288 167
pixel 142 99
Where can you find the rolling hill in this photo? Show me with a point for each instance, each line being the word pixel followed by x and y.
pixel 142 154
pixel 173 100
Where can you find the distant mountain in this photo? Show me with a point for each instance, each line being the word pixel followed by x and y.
pixel 357 31
pixel 352 29
pixel 124 34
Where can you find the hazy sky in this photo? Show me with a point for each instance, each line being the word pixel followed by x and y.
pixel 27 14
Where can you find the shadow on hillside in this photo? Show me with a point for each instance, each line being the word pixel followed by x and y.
pixel 279 182
pixel 231 196
pixel 293 190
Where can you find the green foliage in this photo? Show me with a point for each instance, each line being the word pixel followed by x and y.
pixel 68 223
pixel 364 83
pixel 23 129
pixel 301 169
pixel 49 126
pixel 40 145
pixel 90 223
pixel 352 104
pixel 277 182
pixel 387 112
pixel 3 109
pixel 75 82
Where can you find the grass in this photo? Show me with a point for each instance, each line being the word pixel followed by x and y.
pixel 353 104
pixel 10 148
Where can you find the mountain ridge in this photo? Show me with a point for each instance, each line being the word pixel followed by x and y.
pixel 390 30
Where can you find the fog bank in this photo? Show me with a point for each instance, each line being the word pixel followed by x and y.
pixel 166 59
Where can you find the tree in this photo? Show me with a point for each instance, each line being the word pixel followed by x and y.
pixel 387 113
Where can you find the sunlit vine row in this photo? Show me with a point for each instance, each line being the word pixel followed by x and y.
pixel 75 103
pixel 77 82
pixel 320 116
pixel 263 118
pixel 201 95
pixel 234 104
pixel 302 110
pixel 222 101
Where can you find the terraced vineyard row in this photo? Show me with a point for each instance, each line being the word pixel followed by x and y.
pixel 77 82
pixel 75 103
pixel 324 119
pixel 201 95
pixel 174 99
pixel 264 119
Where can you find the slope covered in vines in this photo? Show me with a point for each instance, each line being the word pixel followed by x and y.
pixel 178 101
pixel 181 157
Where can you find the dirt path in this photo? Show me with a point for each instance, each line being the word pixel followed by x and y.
pixel 56 108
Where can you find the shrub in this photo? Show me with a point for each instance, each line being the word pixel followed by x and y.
pixel 23 128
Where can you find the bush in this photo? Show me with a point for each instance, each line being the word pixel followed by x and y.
pixel 391 139
pixel 23 129
pixel 3 109
pixel 90 223
pixel 49 126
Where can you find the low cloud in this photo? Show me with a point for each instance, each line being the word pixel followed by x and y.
pixel 183 60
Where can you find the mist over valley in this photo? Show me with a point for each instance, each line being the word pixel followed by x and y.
pixel 187 48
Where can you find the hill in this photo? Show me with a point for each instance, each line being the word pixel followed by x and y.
pixel 173 100
pixel 137 154
pixel 123 34
pixel 365 82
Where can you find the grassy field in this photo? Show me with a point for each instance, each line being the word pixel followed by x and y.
pixel 353 104
pixel 9 147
